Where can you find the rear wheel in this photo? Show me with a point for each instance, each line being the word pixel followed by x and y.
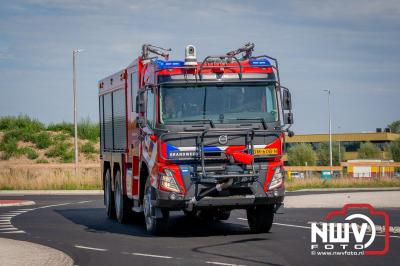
pixel 122 204
pixel 108 196
pixel 260 218
pixel 154 225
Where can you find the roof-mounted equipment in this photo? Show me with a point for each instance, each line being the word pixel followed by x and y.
pixel 190 56
pixel 149 48
pixel 247 50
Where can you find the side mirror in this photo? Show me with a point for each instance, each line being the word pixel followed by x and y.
pixel 288 118
pixel 286 99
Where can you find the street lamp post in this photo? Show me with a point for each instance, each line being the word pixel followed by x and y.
pixel 340 155
pixel 330 129
pixel 74 53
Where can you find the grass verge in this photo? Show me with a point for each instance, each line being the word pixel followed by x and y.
pixel 311 183
pixel 50 179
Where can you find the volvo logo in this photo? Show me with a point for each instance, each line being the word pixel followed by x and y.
pixel 223 139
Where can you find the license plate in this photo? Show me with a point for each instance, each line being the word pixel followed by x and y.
pixel 266 151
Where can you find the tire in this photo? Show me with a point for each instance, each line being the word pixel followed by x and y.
pixel 260 218
pixel 122 203
pixel 109 195
pixel 155 226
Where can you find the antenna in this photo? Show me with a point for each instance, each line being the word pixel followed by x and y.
pixel 247 50
pixel 149 48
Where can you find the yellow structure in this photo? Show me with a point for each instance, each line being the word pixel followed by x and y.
pixel 350 141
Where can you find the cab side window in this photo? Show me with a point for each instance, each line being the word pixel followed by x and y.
pixel 150 113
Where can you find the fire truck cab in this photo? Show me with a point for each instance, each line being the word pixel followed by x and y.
pixel 202 137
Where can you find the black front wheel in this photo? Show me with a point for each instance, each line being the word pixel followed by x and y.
pixel 260 218
pixel 154 225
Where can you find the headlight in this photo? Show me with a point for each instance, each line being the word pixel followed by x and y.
pixel 167 181
pixel 277 179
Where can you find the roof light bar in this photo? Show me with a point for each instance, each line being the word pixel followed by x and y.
pixel 259 62
pixel 169 64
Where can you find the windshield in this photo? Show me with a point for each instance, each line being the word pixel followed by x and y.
pixel 218 104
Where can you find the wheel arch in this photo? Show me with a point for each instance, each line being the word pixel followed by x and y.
pixel 144 174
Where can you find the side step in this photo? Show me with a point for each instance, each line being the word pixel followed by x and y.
pixel 137 207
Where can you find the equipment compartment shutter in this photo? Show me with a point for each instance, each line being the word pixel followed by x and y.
pixel 101 116
pixel 108 125
pixel 119 119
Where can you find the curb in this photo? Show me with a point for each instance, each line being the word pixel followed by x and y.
pixel 15 252
pixel 49 192
pixel 9 203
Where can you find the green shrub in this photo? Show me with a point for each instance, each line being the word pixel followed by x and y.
pixel 42 140
pixel 58 150
pixel 88 130
pixel 62 151
pixel 67 157
pixel 42 161
pixel 21 121
pixel 10 148
pixel 30 153
pixel 301 154
pixel 64 126
pixel 87 148
pixel 22 134
pixel 369 150
pixel 60 137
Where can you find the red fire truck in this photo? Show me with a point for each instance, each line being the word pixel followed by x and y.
pixel 201 137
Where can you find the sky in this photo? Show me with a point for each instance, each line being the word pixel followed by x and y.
pixel 350 47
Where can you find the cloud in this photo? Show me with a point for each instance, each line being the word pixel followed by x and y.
pixel 351 46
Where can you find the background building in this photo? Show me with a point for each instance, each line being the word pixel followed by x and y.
pixel 349 141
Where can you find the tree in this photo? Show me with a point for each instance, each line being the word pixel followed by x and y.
pixel 300 154
pixel 395 126
pixel 323 155
pixel 368 150
pixel 395 150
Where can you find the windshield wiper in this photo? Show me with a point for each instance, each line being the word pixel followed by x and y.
pixel 198 120
pixel 261 119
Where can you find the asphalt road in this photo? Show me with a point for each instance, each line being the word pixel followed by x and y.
pixel 78 226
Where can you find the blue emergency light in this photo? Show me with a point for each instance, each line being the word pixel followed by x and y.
pixel 169 64
pixel 261 63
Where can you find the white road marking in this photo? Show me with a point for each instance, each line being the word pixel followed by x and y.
pixel 14 232
pixel 307 227
pixel 53 205
pixel 85 201
pixel 8 228
pixel 5 219
pixel 223 263
pixel 90 248
pixel 292 225
pixel 151 255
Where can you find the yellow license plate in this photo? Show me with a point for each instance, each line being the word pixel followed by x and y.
pixel 268 151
